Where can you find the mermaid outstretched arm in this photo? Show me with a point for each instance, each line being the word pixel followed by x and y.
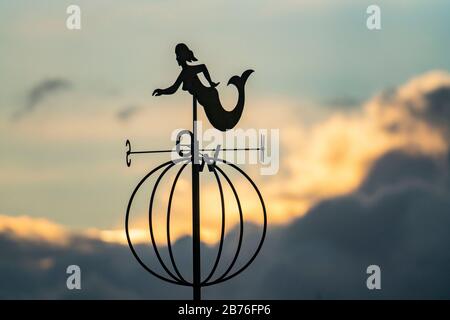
pixel 170 90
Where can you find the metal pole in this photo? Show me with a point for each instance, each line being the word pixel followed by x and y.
pixel 195 208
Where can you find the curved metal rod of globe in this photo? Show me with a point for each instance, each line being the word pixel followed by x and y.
pixel 169 206
pixel 264 229
pixel 241 228
pixel 127 227
pixel 150 222
pixel 179 279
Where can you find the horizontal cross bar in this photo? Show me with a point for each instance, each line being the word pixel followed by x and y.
pixel 152 151
pixel 168 151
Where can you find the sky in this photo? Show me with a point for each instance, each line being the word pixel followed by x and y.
pixel 363 119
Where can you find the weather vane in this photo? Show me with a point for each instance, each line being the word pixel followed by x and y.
pixel 222 120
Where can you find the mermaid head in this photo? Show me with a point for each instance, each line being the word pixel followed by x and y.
pixel 184 54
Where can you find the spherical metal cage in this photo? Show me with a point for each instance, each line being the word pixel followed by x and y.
pixel 176 277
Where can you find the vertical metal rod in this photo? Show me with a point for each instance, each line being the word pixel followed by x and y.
pixel 195 207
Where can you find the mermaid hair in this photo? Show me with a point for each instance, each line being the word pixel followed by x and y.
pixel 184 52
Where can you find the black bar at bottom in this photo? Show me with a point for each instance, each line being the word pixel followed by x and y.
pixel 227 309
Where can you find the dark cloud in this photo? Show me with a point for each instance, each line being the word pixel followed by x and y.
pixel 389 94
pixel 398 220
pixel 437 108
pixel 343 101
pixel 127 112
pixel 399 168
pixel 39 92
pixel 433 108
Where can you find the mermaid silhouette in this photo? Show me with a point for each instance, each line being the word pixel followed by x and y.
pixel 208 97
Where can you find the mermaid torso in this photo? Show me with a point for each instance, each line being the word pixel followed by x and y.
pixel 192 83
pixel 208 97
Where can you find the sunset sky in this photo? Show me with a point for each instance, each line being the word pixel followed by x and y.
pixel 342 96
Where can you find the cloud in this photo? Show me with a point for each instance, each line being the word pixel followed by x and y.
pixel 437 110
pixel 327 158
pixel 390 170
pixel 343 101
pixel 397 224
pixel 127 112
pixel 33 229
pixel 40 92
pixel 398 220
pixel 332 158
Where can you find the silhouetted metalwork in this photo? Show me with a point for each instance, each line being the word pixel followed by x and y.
pixel 208 97
pixel 222 120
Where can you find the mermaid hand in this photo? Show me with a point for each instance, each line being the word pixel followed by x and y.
pixel 157 92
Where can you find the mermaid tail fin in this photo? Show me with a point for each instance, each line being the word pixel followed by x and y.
pixel 240 81
pixel 220 118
